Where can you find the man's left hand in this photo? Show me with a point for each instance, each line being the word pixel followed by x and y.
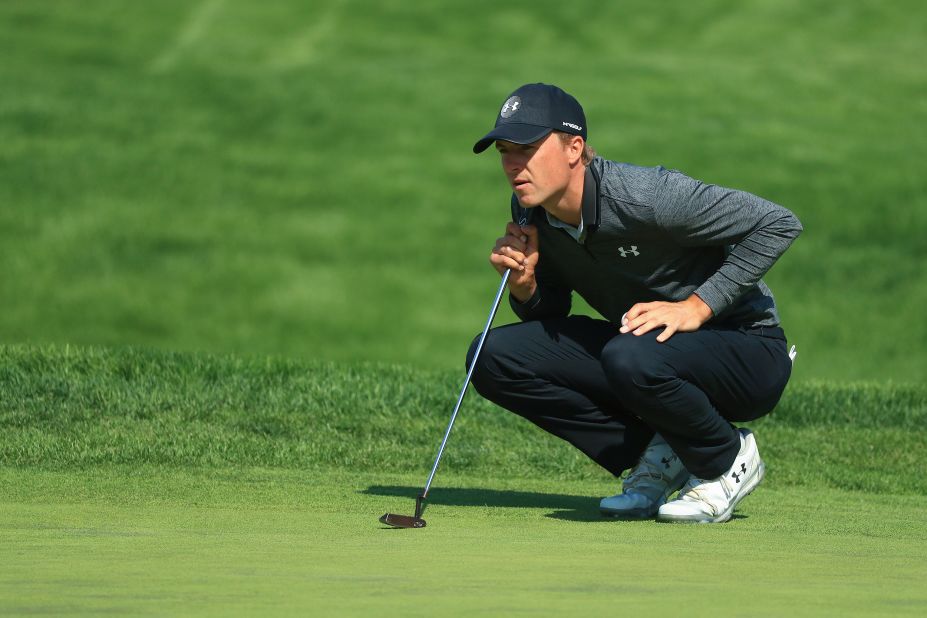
pixel 682 317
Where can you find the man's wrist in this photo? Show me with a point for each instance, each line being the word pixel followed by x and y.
pixel 523 294
pixel 700 307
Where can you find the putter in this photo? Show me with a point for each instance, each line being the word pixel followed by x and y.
pixel 416 521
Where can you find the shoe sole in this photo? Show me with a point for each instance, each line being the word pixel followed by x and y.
pixel 646 513
pixel 726 515
pixel 630 513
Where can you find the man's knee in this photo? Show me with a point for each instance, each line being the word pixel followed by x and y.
pixel 471 352
pixel 632 365
pixel 484 379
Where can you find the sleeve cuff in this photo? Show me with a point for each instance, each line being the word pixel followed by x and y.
pixel 523 309
pixel 713 296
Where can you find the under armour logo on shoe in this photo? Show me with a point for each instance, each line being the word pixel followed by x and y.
pixel 666 462
pixel 743 470
pixel 626 252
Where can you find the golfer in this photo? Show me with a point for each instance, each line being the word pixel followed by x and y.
pixel 691 341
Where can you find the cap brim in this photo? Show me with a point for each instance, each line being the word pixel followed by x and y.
pixel 514 132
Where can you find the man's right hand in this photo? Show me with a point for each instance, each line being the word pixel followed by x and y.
pixel 517 251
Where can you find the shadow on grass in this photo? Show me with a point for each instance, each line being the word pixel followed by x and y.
pixel 569 507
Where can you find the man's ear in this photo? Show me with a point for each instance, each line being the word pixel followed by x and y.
pixel 575 149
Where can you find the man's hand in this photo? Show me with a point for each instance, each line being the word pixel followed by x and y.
pixel 682 317
pixel 517 251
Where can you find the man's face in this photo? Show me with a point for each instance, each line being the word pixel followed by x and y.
pixel 537 171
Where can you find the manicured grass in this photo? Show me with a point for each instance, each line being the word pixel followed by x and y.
pixel 230 542
pixel 295 178
pixel 135 481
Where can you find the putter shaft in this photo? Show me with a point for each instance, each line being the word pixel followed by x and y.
pixel 463 391
pixel 416 521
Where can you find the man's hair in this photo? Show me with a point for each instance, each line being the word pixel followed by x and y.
pixel 588 151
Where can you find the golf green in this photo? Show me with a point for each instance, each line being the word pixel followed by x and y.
pixel 150 541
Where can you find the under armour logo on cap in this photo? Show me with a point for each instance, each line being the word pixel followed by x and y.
pixel 511 106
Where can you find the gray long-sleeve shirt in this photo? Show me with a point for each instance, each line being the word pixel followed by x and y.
pixel 655 234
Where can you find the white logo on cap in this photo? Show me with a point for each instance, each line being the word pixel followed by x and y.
pixel 573 126
pixel 510 107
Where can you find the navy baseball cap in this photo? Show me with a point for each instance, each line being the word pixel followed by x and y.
pixel 533 111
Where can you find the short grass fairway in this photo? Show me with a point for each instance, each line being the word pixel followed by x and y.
pixel 141 482
pixel 272 542
pixel 265 542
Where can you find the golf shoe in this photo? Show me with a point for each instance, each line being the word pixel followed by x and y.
pixel 713 500
pixel 656 476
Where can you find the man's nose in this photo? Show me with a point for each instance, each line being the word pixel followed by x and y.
pixel 512 164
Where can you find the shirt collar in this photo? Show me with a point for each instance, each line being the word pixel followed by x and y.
pixel 576 232
pixel 590 207
pixel 589 210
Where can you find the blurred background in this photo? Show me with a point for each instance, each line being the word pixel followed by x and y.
pixel 295 178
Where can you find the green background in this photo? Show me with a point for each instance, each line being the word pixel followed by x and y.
pixel 243 248
pixel 296 178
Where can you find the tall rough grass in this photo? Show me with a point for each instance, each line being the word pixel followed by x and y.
pixel 63 407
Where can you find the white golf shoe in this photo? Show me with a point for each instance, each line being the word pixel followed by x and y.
pixel 713 501
pixel 656 476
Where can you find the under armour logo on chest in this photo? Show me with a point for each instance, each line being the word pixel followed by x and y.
pixel 626 252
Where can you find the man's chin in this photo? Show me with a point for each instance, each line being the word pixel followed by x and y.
pixel 527 201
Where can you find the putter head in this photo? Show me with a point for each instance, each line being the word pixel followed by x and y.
pixel 402 521
pixel 407 521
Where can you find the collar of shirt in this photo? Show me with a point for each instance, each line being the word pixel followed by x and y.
pixel 575 232
pixel 589 210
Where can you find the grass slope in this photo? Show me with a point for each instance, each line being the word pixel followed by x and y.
pixel 63 408
pixel 295 178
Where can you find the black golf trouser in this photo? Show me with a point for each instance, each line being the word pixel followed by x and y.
pixel 607 393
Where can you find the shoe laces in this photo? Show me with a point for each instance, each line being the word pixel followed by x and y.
pixel 645 469
pixel 701 489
